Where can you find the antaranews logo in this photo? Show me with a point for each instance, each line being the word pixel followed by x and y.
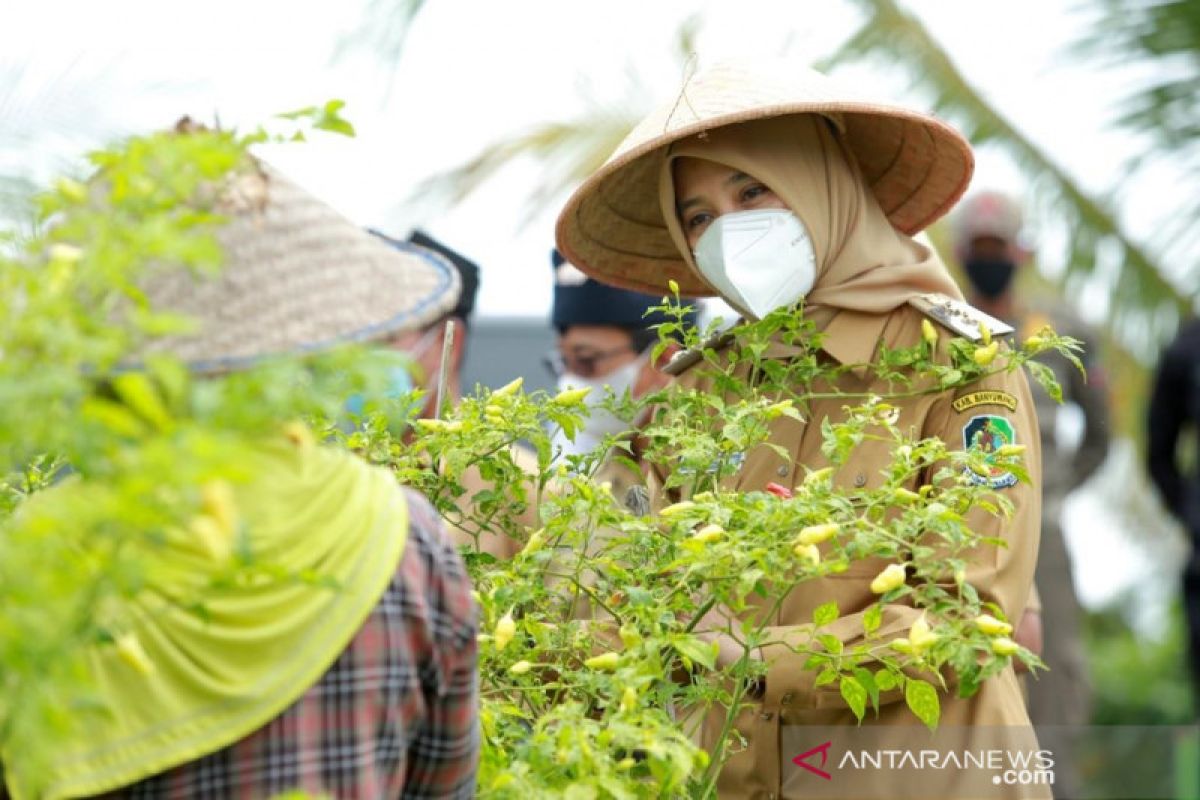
pixel 997 766
pixel 802 760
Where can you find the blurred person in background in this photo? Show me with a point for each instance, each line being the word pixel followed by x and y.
pixel 988 243
pixel 605 339
pixel 1175 407
pixel 426 347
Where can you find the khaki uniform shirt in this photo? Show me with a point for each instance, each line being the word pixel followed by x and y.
pixel 764 769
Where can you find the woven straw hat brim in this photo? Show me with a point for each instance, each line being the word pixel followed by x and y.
pixel 297 277
pixel 612 227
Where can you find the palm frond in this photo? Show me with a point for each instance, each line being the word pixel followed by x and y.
pixel 1146 306
pixel 66 110
pixel 566 153
pixel 1167 33
pixel 1162 107
pixel 384 29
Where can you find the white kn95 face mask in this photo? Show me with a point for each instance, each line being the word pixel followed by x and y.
pixel 758 260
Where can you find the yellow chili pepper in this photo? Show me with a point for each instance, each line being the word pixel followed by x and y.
pixel 985 333
pixel 604 661
pixel 892 577
pixel 807 553
pixel 776 410
pixel 520 668
pixel 709 533
pixel 815 534
pixel 536 541
pixel 676 509
pixel 1004 646
pixel 505 629
pixel 929 333
pixel 920 636
pixel 630 636
pixel 985 355
pixel 992 626
pixel 510 388
pixel 571 397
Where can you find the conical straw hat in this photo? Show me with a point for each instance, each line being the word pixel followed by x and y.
pixel 297 277
pixel 612 226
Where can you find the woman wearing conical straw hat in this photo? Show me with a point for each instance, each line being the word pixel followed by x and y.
pixel 769 185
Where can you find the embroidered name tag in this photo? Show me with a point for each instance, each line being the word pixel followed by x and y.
pixel 990 398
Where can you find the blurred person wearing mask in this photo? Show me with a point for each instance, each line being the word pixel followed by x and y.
pixel 770 185
pixel 988 242
pixel 1175 410
pixel 605 339
pixel 425 348
pixel 987 233
pixel 369 690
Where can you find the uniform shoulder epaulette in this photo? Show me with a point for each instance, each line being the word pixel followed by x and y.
pixel 681 361
pixel 961 318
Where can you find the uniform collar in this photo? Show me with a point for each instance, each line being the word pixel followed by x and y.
pixel 851 337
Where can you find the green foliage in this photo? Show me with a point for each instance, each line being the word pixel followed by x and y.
pixel 1137 680
pixel 922 699
pixel 608 632
pixel 109 459
pixel 606 618
pixel 324 118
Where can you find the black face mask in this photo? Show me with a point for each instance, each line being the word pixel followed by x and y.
pixel 990 276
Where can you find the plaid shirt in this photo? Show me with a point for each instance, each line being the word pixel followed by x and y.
pixel 396 714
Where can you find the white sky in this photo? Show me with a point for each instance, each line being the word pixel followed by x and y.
pixel 475 70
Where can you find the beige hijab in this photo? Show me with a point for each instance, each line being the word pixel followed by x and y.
pixel 863 263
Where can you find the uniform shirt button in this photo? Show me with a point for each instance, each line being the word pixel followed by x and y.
pixel 782 471
pixel 767 715
pixel 860 480
pixel 787 698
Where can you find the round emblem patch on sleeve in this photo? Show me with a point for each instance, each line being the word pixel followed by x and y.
pixel 988 433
